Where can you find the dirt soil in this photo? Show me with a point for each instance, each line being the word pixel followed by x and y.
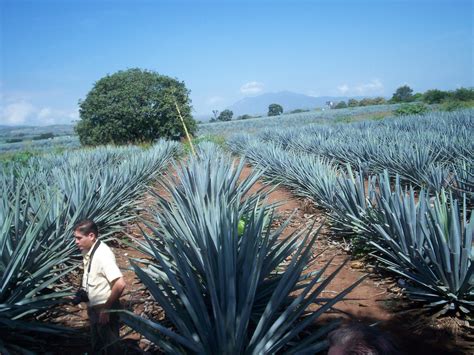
pixel 377 299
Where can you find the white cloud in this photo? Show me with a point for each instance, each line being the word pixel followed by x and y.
pixel 21 112
pixel 44 113
pixel 373 87
pixel 343 89
pixel 17 112
pixel 251 88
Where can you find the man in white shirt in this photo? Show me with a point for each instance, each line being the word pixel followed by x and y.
pixel 104 284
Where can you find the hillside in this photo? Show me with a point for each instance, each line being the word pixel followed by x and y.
pixel 289 100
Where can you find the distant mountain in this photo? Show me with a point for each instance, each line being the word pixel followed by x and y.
pixel 287 99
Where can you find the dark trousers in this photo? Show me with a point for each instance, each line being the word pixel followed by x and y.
pixel 104 337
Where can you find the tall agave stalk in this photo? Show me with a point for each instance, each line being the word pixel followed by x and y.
pixel 227 293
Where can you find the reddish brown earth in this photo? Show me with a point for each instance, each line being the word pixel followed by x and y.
pixel 375 300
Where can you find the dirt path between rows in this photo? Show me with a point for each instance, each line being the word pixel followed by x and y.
pixel 378 299
pixel 365 300
pixel 375 300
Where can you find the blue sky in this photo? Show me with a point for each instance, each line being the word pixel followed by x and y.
pixel 52 52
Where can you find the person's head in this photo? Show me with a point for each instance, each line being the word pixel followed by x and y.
pixel 85 234
pixel 360 339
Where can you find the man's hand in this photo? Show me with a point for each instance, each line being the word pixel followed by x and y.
pixel 118 286
pixel 103 317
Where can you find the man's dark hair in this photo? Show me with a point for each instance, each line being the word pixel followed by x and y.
pixel 361 339
pixel 87 226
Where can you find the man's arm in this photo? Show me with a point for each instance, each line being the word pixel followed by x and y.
pixel 118 286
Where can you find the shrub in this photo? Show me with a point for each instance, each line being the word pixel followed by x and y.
pixel 411 109
pixel 454 105
pixel 299 110
pixel 42 136
pixel 14 140
pixel 244 117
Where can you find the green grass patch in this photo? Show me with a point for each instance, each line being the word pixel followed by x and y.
pixel 21 157
pixel 376 116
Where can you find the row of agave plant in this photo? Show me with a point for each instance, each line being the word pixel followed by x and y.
pixel 424 238
pixel 289 120
pixel 39 206
pixel 227 291
pixel 433 151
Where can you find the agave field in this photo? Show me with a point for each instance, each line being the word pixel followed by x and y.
pixel 290 120
pixel 403 187
pixel 225 291
pixel 228 278
pixel 34 139
pixel 39 206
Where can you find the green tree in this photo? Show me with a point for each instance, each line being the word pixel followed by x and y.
pixel 341 104
pixel 275 110
pixel 435 96
pixel 352 103
pixel 417 97
pixel 463 94
pixel 403 94
pixel 225 115
pixel 366 102
pixel 379 100
pixel 134 106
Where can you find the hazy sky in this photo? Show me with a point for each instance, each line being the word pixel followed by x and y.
pixel 52 52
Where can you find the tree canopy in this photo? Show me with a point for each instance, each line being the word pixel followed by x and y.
pixel 463 94
pixel 134 106
pixel 352 103
pixel 435 96
pixel 225 115
pixel 403 94
pixel 341 104
pixel 275 110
